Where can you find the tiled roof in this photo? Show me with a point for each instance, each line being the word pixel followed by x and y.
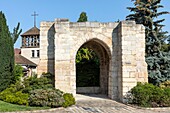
pixel 19 59
pixel 17 51
pixel 32 31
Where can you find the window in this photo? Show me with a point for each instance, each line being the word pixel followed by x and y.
pixel 38 53
pixel 33 54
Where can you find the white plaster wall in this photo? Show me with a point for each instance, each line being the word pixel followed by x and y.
pixel 27 53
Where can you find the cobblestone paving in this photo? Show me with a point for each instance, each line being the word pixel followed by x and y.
pixel 99 104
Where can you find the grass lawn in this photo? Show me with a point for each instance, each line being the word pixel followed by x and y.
pixel 7 107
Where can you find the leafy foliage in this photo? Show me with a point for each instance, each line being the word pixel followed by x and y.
pixel 16 32
pixel 165 84
pixel 12 95
pixel 87 68
pixel 18 72
pixel 69 100
pixel 46 97
pixel 86 55
pixel 87 74
pixel 83 17
pixel 148 95
pixel 33 83
pixel 35 91
pixel 87 64
pixel 50 77
pixel 146 13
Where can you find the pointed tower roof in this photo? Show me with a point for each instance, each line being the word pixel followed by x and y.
pixel 33 31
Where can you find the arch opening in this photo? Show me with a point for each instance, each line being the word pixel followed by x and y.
pixel 93 77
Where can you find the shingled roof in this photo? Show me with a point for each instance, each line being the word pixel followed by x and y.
pixel 32 31
pixel 17 51
pixel 19 59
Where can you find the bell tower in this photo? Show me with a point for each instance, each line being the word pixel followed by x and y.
pixel 31 38
pixel 30 45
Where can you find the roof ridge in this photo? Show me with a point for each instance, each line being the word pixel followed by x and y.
pixel 33 31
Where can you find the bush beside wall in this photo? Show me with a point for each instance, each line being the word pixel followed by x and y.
pixel 148 95
pixel 35 91
pixel 69 100
pixel 11 95
pixel 46 97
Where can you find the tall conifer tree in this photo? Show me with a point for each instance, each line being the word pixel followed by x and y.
pixel 6 54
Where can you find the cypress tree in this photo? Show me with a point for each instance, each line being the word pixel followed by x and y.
pixel 83 17
pixel 146 13
pixel 6 55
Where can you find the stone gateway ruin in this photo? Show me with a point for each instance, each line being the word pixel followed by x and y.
pixel 120 47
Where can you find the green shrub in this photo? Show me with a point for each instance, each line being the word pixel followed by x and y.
pixel 12 89
pixel 18 72
pixel 69 100
pixel 33 83
pixel 50 77
pixel 11 95
pixel 142 93
pixel 166 99
pixel 35 91
pixel 165 84
pixel 148 95
pixel 46 97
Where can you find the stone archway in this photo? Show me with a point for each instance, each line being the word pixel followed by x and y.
pixel 104 58
pixel 121 47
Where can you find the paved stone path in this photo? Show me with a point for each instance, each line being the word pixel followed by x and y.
pixel 99 104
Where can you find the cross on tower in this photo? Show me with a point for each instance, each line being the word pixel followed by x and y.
pixel 34 18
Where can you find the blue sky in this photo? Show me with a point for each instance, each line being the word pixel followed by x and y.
pixel 97 10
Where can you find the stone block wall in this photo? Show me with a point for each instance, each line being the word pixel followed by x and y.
pixel 132 55
pixel 46 63
pixel 121 48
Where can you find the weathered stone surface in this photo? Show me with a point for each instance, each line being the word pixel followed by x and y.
pixel 120 47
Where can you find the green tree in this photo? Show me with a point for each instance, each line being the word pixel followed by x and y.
pixel 86 55
pixel 166 44
pixel 168 39
pixel 87 68
pixel 6 53
pixel 83 17
pixel 16 32
pixel 146 12
pixel 87 64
